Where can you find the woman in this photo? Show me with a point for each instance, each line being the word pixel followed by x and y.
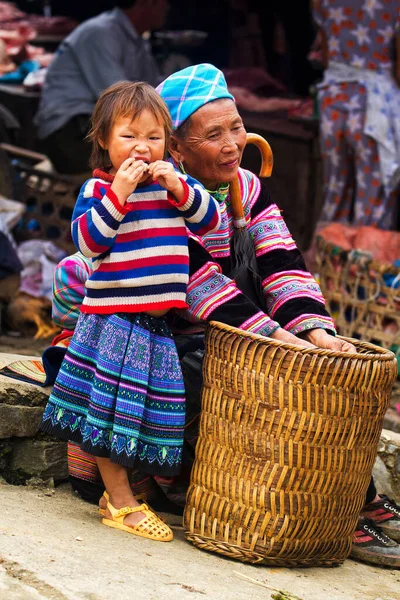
pixel 208 142
pixel 360 110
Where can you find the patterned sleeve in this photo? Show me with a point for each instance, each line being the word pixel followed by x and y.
pixel 96 218
pixel 293 297
pixel 69 289
pixel 213 296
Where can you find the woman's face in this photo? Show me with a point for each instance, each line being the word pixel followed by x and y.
pixel 212 149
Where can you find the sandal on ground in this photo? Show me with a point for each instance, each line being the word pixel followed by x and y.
pixel 150 527
pixel 102 511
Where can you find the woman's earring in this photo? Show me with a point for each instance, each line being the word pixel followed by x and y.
pixel 182 168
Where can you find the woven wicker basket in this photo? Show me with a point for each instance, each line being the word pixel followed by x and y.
pixel 288 438
pixel 49 198
pixel 357 294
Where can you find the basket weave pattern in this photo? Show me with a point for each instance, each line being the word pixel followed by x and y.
pixel 354 287
pixel 50 201
pixel 287 442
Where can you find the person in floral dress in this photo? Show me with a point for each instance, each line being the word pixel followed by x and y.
pixel 359 101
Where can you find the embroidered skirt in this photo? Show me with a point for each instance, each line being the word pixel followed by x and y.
pixel 120 393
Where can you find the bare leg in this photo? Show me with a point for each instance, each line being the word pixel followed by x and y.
pixel 116 481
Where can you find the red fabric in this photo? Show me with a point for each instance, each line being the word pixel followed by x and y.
pixel 109 310
pixel 62 337
pixel 383 245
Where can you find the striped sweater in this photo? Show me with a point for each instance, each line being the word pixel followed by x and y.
pixel 139 250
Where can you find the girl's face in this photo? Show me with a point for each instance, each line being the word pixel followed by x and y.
pixel 142 138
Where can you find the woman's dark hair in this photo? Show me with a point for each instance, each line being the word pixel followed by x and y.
pixel 182 131
pixel 123 99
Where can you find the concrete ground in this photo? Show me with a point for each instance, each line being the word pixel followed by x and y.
pixel 53 545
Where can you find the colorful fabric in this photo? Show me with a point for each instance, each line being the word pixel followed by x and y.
pixel 359 32
pixel 269 232
pixel 381 118
pixel 42 372
pixel 218 244
pixel 140 253
pixel 283 287
pixel 86 478
pixel 120 393
pixel 187 90
pixel 360 111
pixel 353 189
pixel 82 465
pixel 290 291
pixel 31 371
pixel 69 289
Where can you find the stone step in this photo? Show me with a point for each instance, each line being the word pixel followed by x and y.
pixel 387 465
pixel 21 404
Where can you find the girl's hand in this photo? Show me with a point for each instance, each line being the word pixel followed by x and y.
pixel 127 177
pixel 166 176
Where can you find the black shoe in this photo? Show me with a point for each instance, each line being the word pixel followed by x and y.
pixel 386 514
pixel 371 545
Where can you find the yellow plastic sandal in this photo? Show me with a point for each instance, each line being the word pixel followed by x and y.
pixel 102 511
pixel 150 527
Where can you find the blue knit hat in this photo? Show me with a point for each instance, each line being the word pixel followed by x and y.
pixel 188 90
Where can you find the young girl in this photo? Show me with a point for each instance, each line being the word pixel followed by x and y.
pixel 119 392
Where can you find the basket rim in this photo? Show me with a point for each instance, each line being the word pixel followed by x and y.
pixel 379 353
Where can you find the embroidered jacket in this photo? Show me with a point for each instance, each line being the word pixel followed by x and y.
pixel 293 298
pixel 139 250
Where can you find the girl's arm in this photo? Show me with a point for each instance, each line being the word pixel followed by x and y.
pixel 96 218
pixel 195 204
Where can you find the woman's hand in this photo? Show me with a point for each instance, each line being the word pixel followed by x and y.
pixel 281 335
pixel 166 176
pixel 127 177
pixel 322 339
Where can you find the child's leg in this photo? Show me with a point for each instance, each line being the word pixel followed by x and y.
pixel 116 481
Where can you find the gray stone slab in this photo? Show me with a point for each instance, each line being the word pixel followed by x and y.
pixel 387 465
pixel 40 458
